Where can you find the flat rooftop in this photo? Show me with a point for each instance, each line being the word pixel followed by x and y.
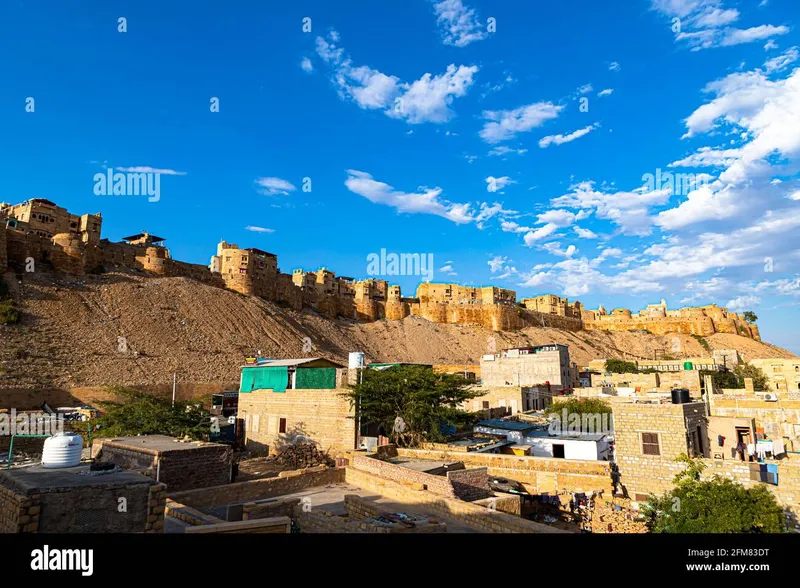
pixel 424 465
pixel 35 479
pixel 158 443
pixel 507 425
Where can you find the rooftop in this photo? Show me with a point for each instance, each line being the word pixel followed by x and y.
pixel 157 443
pixel 32 479
pixel 508 425
pixel 305 362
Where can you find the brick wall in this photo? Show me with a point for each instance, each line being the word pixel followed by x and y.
pixel 189 515
pixel 156 508
pixel 466 513
pixel 538 474
pixel 322 415
pixel 471 484
pixel 318 521
pixel 256 489
pixel 182 469
pixel 436 484
pixel 18 513
pixel 282 507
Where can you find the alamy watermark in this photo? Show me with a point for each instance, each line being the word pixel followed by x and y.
pixel 588 423
pixel 128 184
pixel 678 184
pixel 30 423
pixel 402 264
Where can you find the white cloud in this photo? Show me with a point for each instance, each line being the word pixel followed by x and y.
pixel 708 157
pixel 503 150
pixel 306 65
pixel 496 263
pixel 703 24
pixel 771 44
pixel 427 99
pixel 584 233
pixel 628 210
pixel 585 89
pixel 782 61
pixel 144 169
pixel 743 303
pixel 424 201
pixel 494 184
pixel 614 66
pixel 554 248
pixel 505 124
pixel 273 186
pixel 448 270
pixel 606 92
pixel 538 234
pixel 258 229
pixel 460 25
pixel 561 139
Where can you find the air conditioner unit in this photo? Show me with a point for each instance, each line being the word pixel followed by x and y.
pixel 771 397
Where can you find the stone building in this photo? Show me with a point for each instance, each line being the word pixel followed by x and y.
pixel 250 271
pixel 783 375
pixel 551 304
pixel 286 400
pixel 46 219
pixel 528 366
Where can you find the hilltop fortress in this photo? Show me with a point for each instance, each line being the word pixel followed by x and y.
pixel 41 232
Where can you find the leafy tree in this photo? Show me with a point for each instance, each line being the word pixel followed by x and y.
pixel 579 406
pixel 748 370
pixel 750 316
pixel 716 505
pixel 618 366
pixel 424 400
pixel 722 379
pixel 144 414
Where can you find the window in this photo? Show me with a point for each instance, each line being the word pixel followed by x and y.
pixel 485 404
pixel 558 450
pixel 282 426
pixel 650 444
pixel 641 497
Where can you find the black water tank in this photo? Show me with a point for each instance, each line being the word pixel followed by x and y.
pixel 680 396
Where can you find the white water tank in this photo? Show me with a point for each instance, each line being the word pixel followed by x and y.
pixel 356 360
pixel 62 450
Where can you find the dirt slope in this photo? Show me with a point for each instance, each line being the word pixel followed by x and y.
pixel 69 334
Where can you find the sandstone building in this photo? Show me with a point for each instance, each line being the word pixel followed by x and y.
pixel 39 229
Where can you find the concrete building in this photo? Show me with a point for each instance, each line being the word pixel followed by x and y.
pixel 529 366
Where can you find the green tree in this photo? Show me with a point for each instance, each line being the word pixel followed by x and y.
pixel 748 370
pixel 750 316
pixel 716 505
pixel 579 406
pixel 144 414
pixel 423 399
pixel 618 366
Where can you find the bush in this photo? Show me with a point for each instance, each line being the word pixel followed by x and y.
pixel 9 315
pixel 618 366
pixel 718 505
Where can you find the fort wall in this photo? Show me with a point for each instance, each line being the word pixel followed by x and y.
pixel 77 249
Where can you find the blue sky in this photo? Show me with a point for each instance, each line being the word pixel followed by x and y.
pixel 513 140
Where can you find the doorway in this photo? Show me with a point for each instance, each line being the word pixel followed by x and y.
pixel 558 450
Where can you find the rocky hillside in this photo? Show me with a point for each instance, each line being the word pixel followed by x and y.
pixel 70 330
